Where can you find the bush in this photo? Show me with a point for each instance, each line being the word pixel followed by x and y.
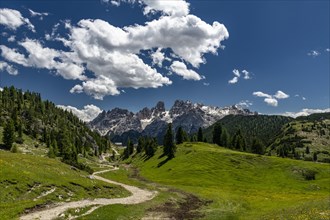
pixel 19 140
pixel 309 174
pixel 14 149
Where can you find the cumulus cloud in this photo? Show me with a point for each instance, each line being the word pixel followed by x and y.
pixel 306 112
pixel 43 57
pixel 261 94
pixel 1 89
pixel 158 57
pixel 181 69
pixel 206 84
pixel 88 113
pixel 4 66
pixel 245 103
pixel 246 74
pixel 233 80
pixel 237 75
pixel 327 50
pixel 41 15
pixel 11 38
pixel 314 53
pixel 272 99
pixel 172 8
pixel 13 19
pixel 113 54
pixel 281 95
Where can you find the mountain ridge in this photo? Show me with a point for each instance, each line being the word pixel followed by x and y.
pixel 152 121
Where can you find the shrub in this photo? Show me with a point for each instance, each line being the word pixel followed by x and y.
pixel 309 174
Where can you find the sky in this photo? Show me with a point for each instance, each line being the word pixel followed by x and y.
pixel 91 55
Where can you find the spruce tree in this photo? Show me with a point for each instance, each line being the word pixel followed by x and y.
pixel 307 150
pixel 200 135
pixel 169 146
pixel 141 145
pixel 179 136
pixel 217 130
pixel 9 134
pixel 224 138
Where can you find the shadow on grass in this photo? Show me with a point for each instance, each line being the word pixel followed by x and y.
pixel 163 162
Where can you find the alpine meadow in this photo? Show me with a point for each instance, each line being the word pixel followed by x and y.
pixel 164 109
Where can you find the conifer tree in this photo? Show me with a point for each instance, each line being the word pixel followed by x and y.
pixel 179 136
pixel 9 134
pixel 200 135
pixel 169 146
pixel 141 145
pixel 217 130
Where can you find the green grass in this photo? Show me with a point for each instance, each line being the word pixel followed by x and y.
pixel 24 178
pixel 242 185
pixel 138 211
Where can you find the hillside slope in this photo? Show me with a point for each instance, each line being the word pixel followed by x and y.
pixel 305 138
pixel 262 127
pixel 30 182
pixel 242 185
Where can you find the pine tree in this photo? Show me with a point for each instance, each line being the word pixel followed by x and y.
pixel 224 140
pixel 257 147
pixel 169 146
pixel 51 153
pixel 179 136
pixel 141 145
pixel 200 135
pixel 9 134
pixel 315 156
pixel 307 150
pixel 217 130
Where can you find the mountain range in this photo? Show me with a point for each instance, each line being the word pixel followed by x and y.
pixel 121 124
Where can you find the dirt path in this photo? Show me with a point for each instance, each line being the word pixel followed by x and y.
pixel 138 196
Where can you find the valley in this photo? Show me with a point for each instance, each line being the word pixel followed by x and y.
pixel 57 168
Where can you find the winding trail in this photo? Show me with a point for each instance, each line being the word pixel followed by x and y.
pixel 138 196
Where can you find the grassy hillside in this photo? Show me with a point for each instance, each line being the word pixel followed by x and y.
pixel 261 127
pixel 242 185
pixel 30 182
pixel 312 132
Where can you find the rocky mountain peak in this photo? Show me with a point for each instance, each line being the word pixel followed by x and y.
pixel 121 123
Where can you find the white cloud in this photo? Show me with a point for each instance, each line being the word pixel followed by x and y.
pixel 246 74
pixel 38 14
pixel 173 7
pixel 233 80
pixel 281 95
pixel 327 50
pixel 1 89
pixel 237 75
pixel 314 53
pixel 11 38
pixel 305 112
pixel 261 94
pixel 245 104
pixel 43 57
pixel 167 7
pixel 206 84
pixel 272 99
pixel 4 66
pixel 112 54
pixel 181 69
pixel 158 57
pixel 303 98
pixel 88 113
pixel 13 19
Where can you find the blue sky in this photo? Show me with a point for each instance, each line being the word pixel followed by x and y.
pixel 103 53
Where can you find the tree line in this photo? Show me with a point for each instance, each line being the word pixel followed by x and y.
pixel 64 134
